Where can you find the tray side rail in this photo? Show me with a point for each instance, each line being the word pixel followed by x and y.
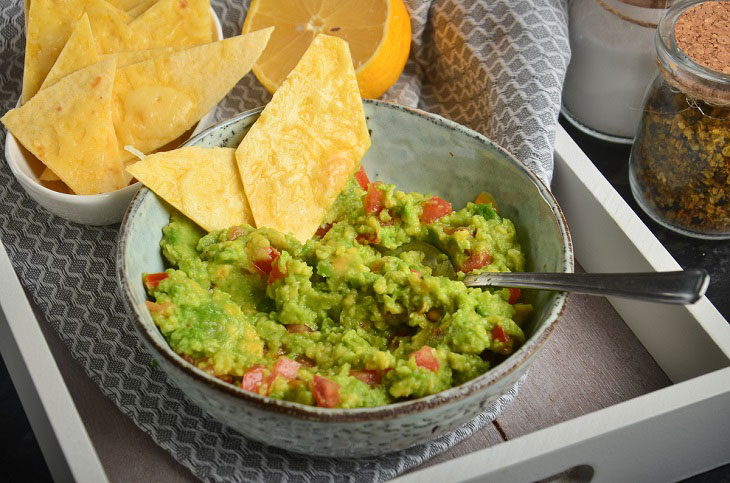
pixel 56 423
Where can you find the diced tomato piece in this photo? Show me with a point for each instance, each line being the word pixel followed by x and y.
pixel 298 329
pixel 264 265
pixel 367 238
pixel 514 295
pixel 275 273
pixel 252 379
pixel 434 209
pixel 325 391
pixel 323 229
pixel 156 308
pixel 485 198
pixel 286 367
pixel 476 261
pixel 426 359
pixel 376 267
pixel 499 334
pixel 368 376
pixel 416 272
pixel 153 279
pixel 374 198
pixel 362 178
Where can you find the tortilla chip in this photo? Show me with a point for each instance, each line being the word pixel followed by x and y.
pixel 46 34
pixel 171 23
pixel 50 24
pixel 111 153
pixel 134 56
pixel 68 126
pixel 202 183
pixel 48 175
pixel 109 25
pixel 26 8
pixel 79 52
pixel 157 100
pixel 298 156
pixel 125 5
pixel 140 8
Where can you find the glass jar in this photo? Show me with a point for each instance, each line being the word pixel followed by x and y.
pixel 679 167
pixel 612 62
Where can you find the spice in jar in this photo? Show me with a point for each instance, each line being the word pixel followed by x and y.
pixel 680 162
pixel 684 168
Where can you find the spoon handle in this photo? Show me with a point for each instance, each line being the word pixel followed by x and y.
pixel 682 287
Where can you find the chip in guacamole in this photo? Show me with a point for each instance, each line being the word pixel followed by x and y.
pixel 203 183
pixel 307 142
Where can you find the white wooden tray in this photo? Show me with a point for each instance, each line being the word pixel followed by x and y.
pixel 667 434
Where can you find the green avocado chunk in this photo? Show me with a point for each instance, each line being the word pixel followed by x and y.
pixel 342 321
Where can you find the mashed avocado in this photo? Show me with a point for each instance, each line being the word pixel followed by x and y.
pixel 346 319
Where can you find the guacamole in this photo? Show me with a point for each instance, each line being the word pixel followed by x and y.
pixel 351 318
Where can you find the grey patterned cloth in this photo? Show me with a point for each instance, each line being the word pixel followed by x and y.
pixel 494 65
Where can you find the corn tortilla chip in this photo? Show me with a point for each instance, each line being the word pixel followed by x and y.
pixel 69 127
pixel 48 175
pixel 112 153
pixel 79 52
pixel 125 5
pixel 50 24
pixel 140 8
pixel 298 156
pixel 170 23
pixel 134 56
pixel 46 34
pixel 202 183
pixel 157 100
pixel 109 25
pixel 26 8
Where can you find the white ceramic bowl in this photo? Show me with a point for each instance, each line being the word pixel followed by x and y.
pixel 101 209
pixel 417 151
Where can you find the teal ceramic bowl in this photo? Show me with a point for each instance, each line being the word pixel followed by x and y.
pixel 416 151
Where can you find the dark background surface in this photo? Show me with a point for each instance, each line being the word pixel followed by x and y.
pixel 20 456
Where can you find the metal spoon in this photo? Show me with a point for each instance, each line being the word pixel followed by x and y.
pixel 680 287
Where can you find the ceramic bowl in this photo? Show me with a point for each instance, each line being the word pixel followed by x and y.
pixel 101 209
pixel 416 151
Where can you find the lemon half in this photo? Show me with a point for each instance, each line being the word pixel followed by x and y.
pixel 378 33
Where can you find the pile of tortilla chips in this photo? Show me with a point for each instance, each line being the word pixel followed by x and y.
pixel 101 76
pixel 292 164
